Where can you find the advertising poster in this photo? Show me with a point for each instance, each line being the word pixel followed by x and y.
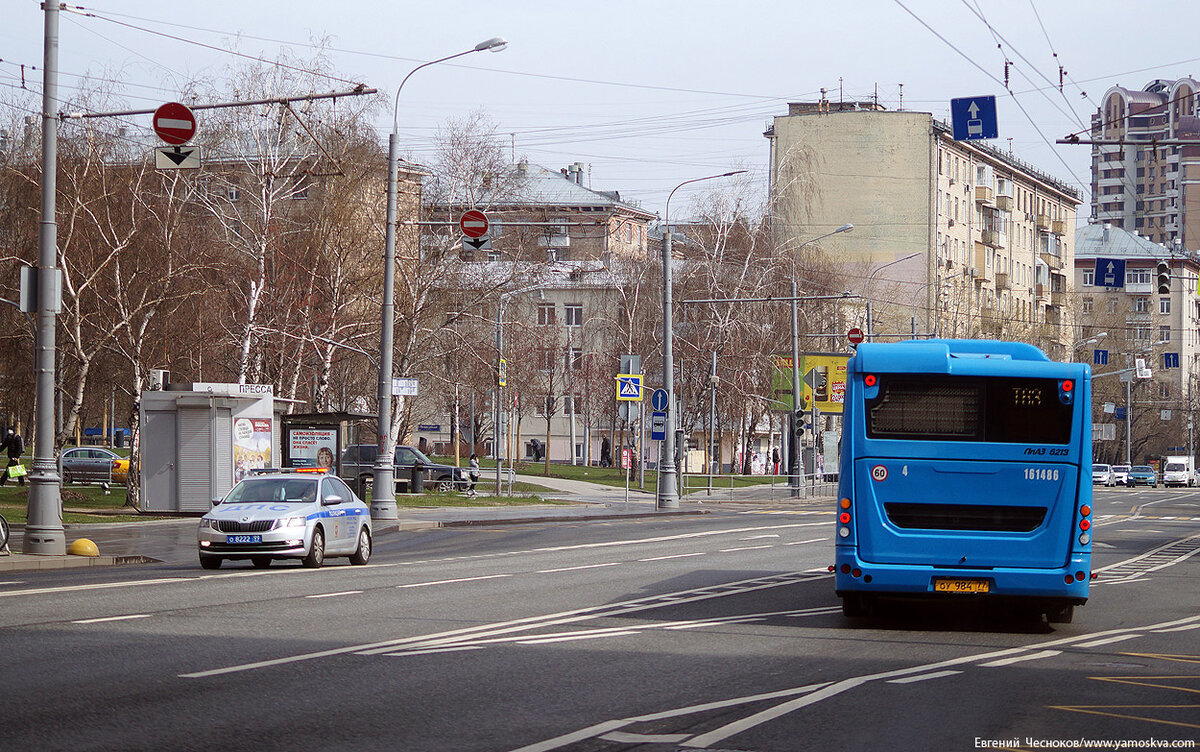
pixel 312 447
pixel 251 445
pixel 822 382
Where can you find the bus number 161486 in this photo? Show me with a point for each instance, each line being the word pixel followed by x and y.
pixel 1041 473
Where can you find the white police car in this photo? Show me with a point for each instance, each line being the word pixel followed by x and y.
pixel 286 514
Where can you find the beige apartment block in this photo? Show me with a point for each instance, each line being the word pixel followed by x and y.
pixel 951 238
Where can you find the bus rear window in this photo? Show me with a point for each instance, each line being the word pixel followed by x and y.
pixel 966 408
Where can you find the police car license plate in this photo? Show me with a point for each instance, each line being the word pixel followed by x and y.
pixel 960 586
pixel 243 539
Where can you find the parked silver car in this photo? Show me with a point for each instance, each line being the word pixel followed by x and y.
pixel 286 514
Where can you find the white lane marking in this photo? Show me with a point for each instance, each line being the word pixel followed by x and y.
pixel 810 540
pixel 923 677
pixel 564 617
pixel 111 618
pixel 1021 658
pixel 576 569
pixel 760 537
pixel 13 582
pixel 743 548
pixel 450 582
pixel 569 638
pixel 674 556
pixel 819 692
pixel 95 586
pixel 454 649
pixel 1107 640
pixel 335 595
pixel 1184 628
pixel 625 737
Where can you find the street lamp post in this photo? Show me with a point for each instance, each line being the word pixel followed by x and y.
pixel 794 470
pixel 870 277
pixel 668 496
pixel 383 492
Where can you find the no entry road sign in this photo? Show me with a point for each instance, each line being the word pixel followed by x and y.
pixel 473 223
pixel 174 123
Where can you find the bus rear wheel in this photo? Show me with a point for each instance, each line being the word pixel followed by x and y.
pixel 1060 614
pixel 856 605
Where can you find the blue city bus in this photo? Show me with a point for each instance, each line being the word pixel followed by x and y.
pixel 965 470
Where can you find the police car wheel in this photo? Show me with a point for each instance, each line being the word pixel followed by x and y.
pixel 316 553
pixel 363 554
pixel 210 562
pixel 260 562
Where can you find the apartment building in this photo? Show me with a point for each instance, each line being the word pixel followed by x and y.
pixel 1129 316
pixel 558 253
pixel 1148 182
pixel 957 239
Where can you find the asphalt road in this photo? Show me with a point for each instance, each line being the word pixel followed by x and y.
pixel 716 632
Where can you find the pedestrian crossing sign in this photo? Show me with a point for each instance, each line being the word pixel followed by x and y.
pixel 629 387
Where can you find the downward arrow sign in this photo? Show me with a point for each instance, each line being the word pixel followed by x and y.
pixel 177 155
pixel 973 109
pixel 476 243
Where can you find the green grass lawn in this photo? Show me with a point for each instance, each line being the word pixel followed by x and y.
pixel 611 476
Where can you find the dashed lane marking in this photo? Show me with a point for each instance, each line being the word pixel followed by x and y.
pixel 923 677
pixel 1021 658
pixel 104 619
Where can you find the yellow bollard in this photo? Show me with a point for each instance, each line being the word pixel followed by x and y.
pixel 83 547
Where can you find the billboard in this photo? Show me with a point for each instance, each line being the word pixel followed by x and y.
pixel 822 382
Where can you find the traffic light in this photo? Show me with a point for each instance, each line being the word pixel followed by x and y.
pixel 1164 278
pixel 798 423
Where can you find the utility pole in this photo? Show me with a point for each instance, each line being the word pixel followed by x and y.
pixel 44 533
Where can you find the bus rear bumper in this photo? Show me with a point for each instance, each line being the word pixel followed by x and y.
pixel 1069 583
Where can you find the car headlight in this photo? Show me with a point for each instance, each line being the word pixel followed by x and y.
pixel 206 523
pixel 293 521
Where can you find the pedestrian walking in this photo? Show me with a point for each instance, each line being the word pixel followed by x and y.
pixel 15 446
pixel 473 475
pixel 605 453
pixel 775 461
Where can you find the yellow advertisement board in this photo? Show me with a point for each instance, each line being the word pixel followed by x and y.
pixel 822 381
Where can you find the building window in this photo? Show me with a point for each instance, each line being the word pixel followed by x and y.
pixel 1089 278
pixel 1087 305
pixel 547 359
pixel 573 404
pixel 574 314
pixel 1141 305
pixel 1164 305
pixel 1137 277
pixel 545 314
pixel 1164 333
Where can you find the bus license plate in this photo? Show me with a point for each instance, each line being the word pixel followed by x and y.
pixel 243 539
pixel 961 586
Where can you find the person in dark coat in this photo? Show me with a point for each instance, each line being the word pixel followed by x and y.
pixel 605 453
pixel 15 446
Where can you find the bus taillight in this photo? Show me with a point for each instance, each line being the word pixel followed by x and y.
pixel 1066 391
pixel 844 518
pixel 869 379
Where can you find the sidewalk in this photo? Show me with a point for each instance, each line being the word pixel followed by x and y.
pixel 174 541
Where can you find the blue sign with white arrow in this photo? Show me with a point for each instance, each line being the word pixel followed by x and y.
pixel 658 400
pixel 1110 272
pixel 1100 357
pixel 974 118
pixel 1171 360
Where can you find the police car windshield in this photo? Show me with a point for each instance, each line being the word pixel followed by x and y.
pixel 289 490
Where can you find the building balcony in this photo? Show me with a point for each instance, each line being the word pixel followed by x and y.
pixel 1041 292
pixel 1138 317
pixel 1004 203
pixel 1058 227
pixel 990 321
pixel 1053 261
pixel 1058 298
pixel 984 194
pixel 1043 222
pixel 1143 288
pixel 1002 281
pixel 992 238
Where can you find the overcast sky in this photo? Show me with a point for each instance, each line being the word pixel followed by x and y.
pixel 651 93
